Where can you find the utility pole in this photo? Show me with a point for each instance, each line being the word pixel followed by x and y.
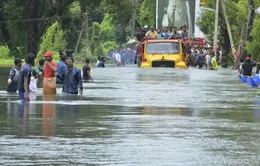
pixel 87 31
pixel 229 32
pixel 80 35
pixel 215 45
pixel 134 18
pixel 173 12
pixel 189 19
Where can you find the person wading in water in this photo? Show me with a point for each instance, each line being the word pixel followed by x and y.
pixel 61 66
pixel 86 71
pixel 72 80
pixel 25 75
pixel 247 67
pixel 49 70
pixel 14 76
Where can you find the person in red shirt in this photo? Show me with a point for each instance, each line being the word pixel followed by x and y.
pixel 50 72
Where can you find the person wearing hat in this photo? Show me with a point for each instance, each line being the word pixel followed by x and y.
pixel 14 76
pixel 50 71
pixel 24 79
pixel 72 79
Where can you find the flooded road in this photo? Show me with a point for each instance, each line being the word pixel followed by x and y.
pixel 133 116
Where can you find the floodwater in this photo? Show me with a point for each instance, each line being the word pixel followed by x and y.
pixel 136 117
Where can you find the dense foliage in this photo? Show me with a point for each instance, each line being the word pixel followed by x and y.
pixel 244 25
pixel 93 27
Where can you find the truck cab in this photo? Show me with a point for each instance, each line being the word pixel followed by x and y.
pixel 162 53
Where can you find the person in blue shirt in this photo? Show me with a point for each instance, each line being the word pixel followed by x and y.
pixel 60 67
pixel 201 61
pixel 25 75
pixel 72 79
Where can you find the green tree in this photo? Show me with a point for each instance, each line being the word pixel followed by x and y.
pixel 147 13
pixel 53 40
pixel 24 22
pixel 253 46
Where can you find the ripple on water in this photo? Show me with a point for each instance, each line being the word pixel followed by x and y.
pixel 132 116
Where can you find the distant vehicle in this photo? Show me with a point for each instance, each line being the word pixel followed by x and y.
pixel 197 42
pixel 162 53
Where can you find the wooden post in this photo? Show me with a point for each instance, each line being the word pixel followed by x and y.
pixel 87 31
pixel 229 32
pixel 173 13
pixel 80 36
pixel 216 28
pixel 133 21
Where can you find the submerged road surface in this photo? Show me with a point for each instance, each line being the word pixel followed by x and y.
pixel 137 117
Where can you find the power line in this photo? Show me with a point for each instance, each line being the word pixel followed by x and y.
pixel 36 19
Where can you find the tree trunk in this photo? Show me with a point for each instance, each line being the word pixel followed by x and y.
pixel 33 32
pixel 7 38
pixel 226 50
pixel 251 16
pixel 80 36
pixel 246 31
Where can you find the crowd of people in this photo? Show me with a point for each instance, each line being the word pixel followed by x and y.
pixel 204 58
pixel 164 33
pixel 123 56
pixel 25 78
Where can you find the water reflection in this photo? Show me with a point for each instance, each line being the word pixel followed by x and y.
pixel 256 112
pixel 19 118
pixel 182 111
pixel 48 115
pixel 68 106
pixel 156 116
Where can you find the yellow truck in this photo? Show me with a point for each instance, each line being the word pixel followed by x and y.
pixel 162 53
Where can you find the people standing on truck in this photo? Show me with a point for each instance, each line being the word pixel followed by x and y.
pixel 60 66
pixel 185 33
pixel 50 72
pixel 72 80
pixel 24 80
pixel 145 30
pixel 174 33
pixel 151 34
pixel 86 71
pixel 166 33
pixel 14 76
pixel 140 34
pixel 159 37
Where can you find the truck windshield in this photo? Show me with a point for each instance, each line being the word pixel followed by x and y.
pixel 163 48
